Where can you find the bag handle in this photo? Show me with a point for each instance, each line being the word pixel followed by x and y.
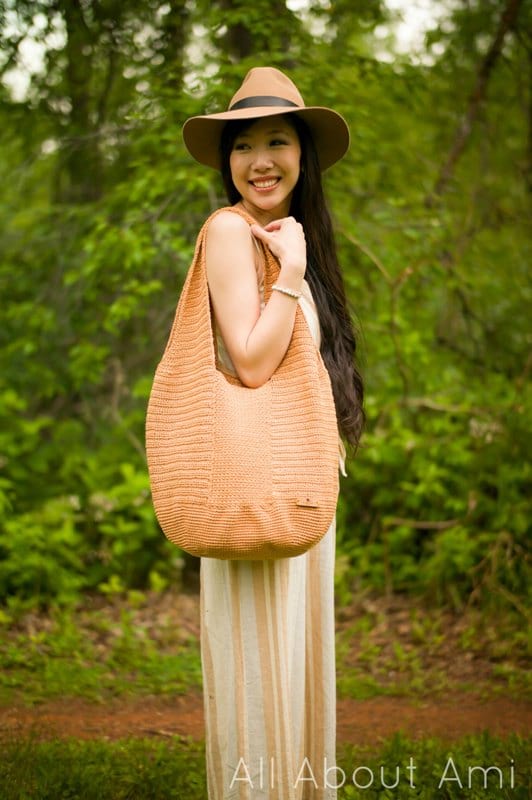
pixel 196 291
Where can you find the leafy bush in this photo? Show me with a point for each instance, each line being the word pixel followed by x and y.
pixel 99 223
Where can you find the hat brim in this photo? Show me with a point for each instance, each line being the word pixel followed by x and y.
pixel 329 130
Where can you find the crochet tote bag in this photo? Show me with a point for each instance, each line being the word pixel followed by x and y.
pixel 236 472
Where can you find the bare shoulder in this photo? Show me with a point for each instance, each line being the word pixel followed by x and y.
pixel 229 249
pixel 227 224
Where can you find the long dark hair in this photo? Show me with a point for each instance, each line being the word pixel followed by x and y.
pixel 309 207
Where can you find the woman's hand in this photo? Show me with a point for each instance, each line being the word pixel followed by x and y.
pixel 286 240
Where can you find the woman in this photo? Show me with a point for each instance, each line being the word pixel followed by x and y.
pixel 267 627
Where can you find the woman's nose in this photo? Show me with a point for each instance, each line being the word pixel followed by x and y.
pixel 262 159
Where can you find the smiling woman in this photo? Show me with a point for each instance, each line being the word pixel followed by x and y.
pixel 265 163
pixel 274 283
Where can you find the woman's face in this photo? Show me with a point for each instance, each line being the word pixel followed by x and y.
pixel 265 166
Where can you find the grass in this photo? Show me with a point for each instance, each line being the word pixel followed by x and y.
pixel 148 644
pixel 390 646
pixel 97 653
pixel 141 769
pixel 135 768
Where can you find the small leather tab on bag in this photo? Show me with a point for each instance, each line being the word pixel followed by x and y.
pixel 308 501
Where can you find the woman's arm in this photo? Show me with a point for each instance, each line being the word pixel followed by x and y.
pixel 255 342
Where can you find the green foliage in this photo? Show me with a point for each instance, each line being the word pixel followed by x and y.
pixel 100 206
pixel 42 553
pixel 449 514
pixel 128 770
pixel 131 643
pixel 141 769
pixel 97 654
pixel 430 769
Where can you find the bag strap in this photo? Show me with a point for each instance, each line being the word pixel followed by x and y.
pixel 269 261
pixel 194 302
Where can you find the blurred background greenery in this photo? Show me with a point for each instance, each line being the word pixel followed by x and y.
pixel 100 206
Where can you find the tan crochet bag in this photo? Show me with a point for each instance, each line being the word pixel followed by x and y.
pixel 240 473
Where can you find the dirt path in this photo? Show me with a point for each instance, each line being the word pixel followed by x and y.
pixel 386 642
pixel 363 722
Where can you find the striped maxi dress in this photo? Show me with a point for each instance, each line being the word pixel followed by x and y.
pixel 268 661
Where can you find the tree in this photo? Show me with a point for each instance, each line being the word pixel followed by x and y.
pixel 100 206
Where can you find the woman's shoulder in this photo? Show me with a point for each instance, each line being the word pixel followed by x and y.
pixel 227 221
pixel 226 231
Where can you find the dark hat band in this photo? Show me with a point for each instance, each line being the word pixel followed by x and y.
pixel 262 100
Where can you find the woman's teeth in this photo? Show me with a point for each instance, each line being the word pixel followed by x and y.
pixel 266 184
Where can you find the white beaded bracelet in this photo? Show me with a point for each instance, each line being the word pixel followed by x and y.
pixel 290 292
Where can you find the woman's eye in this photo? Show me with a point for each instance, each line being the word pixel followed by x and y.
pixel 276 142
pixel 240 146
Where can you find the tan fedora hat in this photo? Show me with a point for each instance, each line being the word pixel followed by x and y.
pixel 265 92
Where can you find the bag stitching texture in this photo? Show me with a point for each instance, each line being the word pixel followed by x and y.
pixel 235 472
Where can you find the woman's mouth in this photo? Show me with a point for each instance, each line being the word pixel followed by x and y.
pixel 264 184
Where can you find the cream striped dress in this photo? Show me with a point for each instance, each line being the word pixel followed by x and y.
pixel 268 660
